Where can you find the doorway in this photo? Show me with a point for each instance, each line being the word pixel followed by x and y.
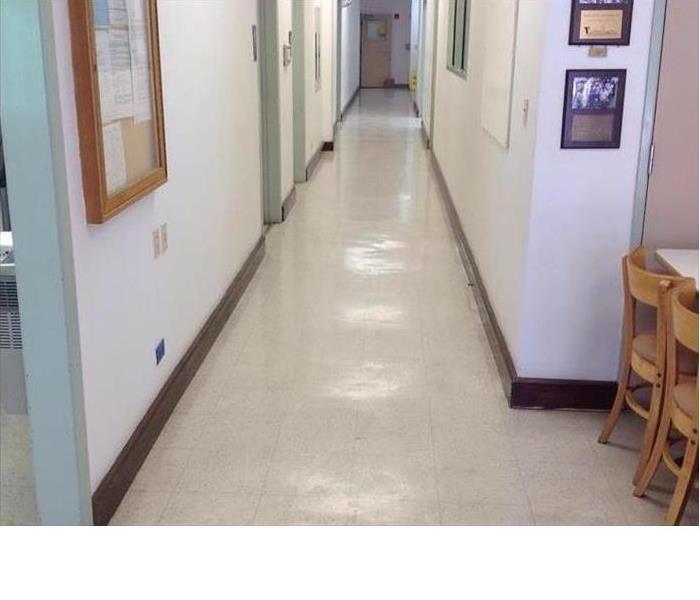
pixel 671 211
pixel 375 51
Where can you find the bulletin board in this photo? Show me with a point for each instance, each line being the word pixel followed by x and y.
pixel 116 65
pixel 497 84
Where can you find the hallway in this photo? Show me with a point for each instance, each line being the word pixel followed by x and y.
pixel 354 383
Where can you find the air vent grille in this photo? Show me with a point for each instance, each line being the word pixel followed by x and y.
pixel 10 329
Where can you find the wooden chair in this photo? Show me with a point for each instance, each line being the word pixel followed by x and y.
pixel 644 353
pixel 680 409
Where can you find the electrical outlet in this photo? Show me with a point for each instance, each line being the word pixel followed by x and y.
pixel 160 351
pixel 163 238
pixel 156 243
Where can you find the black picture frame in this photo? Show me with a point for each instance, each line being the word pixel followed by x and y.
pixel 582 8
pixel 594 102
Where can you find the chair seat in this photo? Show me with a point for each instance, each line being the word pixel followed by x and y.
pixel 686 397
pixel 644 345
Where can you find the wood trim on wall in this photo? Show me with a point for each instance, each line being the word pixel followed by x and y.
pixel 120 476
pixel 349 103
pixel 313 162
pixel 522 392
pixel 562 393
pixel 288 203
pixel 424 135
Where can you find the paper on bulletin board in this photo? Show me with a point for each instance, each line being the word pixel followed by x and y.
pixel 117 13
pixel 115 164
pixel 497 81
pixel 140 64
pixel 120 64
pixel 104 75
pixel 100 13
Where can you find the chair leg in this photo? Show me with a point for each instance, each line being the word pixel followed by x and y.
pixel 618 404
pixel 683 485
pixel 652 465
pixel 652 427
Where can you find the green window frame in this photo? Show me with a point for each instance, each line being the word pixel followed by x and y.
pixel 458 37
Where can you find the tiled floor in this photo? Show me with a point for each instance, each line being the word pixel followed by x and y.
pixel 354 383
pixel 17 490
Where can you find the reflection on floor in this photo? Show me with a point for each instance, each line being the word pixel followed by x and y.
pixel 354 383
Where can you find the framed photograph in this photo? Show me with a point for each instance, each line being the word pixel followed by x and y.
pixel 593 105
pixel 600 22
pixel 116 66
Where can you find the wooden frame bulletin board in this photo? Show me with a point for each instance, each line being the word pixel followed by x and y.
pixel 116 66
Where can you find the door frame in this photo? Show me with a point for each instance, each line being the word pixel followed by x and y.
pixel 299 89
pixel 433 74
pixel 339 64
pixel 35 161
pixel 270 143
pixel 648 119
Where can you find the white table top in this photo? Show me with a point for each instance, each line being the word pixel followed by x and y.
pixel 680 262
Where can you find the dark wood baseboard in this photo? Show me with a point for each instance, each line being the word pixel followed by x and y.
pixel 497 342
pixel 562 393
pixel 349 103
pixel 288 203
pixel 311 167
pixel 116 482
pixel 424 135
pixel 328 146
pixel 522 392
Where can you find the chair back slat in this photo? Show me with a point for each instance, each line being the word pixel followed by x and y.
pixel 684 317
pixel 643 284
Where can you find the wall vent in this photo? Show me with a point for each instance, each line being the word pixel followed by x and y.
pixel 10 329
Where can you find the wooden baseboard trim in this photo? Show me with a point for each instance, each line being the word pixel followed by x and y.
pixel 311 167
pixel 522 392
pixel 328 146
pixel 349 103
pixel 424 135
pixel 120 476
pixel 497 342
pixel 288 203
pixel 562 394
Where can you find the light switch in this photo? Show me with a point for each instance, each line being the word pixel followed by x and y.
pixel 163 238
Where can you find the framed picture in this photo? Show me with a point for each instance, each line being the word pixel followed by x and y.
pixel 116 66
pixel 593 104
pixel 600 22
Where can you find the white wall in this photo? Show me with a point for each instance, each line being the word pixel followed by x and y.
pixel 284 26
pixel 547 226
pixel 350 52
pixel 400 33
pixel 127 301
pixel 491 185
pixel 581 217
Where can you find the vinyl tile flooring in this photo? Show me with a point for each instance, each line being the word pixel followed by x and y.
pixel 354 383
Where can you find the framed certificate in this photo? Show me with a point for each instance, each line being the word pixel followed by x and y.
pixel 600 22
pixel 116 66
pixel 593 103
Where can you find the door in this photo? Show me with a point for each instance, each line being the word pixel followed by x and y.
pixel 375 67
pixel 671 216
